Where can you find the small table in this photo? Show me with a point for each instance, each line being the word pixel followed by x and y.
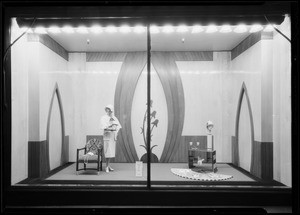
pixel 209 156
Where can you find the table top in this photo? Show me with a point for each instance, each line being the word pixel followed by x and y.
pixel 202 150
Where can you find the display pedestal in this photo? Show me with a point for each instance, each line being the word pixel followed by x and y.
pixel 209 156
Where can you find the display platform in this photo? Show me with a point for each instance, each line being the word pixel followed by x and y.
pixel 159 172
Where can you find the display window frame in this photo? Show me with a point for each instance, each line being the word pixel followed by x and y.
pixel 30 196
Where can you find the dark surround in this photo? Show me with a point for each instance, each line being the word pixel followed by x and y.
pixel 14 199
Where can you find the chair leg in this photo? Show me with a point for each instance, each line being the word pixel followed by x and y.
pixel 101 164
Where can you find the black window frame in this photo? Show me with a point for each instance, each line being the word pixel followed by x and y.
pixel 16 197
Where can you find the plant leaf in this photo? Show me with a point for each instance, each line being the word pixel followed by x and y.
pixel 152 147
pixel 144 147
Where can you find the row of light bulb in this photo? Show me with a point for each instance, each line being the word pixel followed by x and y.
pixel 154 29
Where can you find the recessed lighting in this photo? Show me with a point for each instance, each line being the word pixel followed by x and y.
pixel 269 28
pixel 154 29
pixel 168 29
pixel 225 29
pixel 82 30
pixel 54 30
pixel 68 29
pixel 240 29
pixel 111 29
pixel 197 29
pixel 139 29
pixel 40 30
pixel 125 29
pixel 96 29
pixel 182 29
pixel 211 29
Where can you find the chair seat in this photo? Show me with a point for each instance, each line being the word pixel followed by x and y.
pixel 90 159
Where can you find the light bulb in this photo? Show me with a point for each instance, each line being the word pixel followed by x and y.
pixel 182 29
pixel 139 29
pixel 168 29
pixel 82 30
pixel 54 30
pixel 125 29
pixel 154 30
pixel 255 28
pixel 225 29
pixel 68 29
pixel 211 29
pixel 240 29
pixel 96 29
pixel 197 29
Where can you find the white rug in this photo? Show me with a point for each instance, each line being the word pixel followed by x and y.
pixel 201 175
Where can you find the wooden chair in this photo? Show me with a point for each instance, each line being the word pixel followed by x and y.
pixel 94 146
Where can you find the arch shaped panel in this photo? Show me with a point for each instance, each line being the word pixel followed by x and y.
pixel 235 155
pixel 63 156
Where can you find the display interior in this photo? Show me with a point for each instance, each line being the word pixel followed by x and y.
pixel 220 109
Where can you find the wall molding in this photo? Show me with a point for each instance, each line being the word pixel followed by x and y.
pixel 250 41
pixel 193 55
pixel 178 55
pixel 105 56
pixel 46 40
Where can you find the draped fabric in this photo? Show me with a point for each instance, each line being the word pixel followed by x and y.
pixel 131 70
pixel 166 68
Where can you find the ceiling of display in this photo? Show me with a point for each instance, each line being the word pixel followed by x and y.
pixel 132 41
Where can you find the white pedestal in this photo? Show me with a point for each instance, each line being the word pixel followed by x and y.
pixel 210 142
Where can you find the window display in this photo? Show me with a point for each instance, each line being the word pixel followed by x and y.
pixel 214 108
pixel 153 106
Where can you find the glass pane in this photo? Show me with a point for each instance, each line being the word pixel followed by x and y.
pixel 78 95
pixel 221 105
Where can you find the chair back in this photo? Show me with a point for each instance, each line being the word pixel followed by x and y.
pixel 93 145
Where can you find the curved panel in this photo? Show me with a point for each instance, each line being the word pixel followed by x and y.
pixel 236 156
pixel 131 70
pixel 55 136
pixel 244 137
pixel 166 68
pixel 63 153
